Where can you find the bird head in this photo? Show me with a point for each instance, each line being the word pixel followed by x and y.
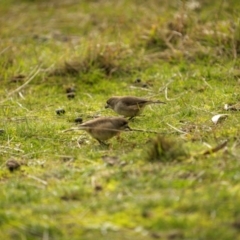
pixel 122 123
pixel 111 102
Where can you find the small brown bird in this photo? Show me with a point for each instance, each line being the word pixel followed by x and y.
pixel 13 165
pixel 103 128
pixel 129 106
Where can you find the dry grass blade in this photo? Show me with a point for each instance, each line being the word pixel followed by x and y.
pixel 38 180
pixel 35 72
pixel 166 92
pixel 177 129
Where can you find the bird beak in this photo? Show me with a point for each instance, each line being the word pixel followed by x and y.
pixel 107 106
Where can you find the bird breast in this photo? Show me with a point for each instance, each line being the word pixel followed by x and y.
pixel 103 132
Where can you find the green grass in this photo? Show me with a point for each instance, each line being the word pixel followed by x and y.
pixel 145 185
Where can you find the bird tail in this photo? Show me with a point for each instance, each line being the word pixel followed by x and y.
pixel 158 101
pixel 76 129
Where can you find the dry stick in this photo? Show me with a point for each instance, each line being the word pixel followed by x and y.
pixel 212 150
pixel 22 86
pixel 217 148
pixel 15 149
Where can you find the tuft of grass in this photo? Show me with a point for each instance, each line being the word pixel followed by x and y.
pixel 166 149
pixel 110 58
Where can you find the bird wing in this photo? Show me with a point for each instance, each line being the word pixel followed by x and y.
pixel 134 101
pixel 98 124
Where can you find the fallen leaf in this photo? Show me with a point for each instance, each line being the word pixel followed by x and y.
pixel 218 117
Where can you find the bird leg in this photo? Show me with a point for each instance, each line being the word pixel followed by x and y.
pixel 131 118
pixel 102 143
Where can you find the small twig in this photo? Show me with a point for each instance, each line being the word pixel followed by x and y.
pixel 21 106
pixel 207 145
pixel 38 179
pixel 170 99
pixel 177 129
pixel 165 88
pixel 216 149
pixel 204 80
pixel 89 95
pixel 21 95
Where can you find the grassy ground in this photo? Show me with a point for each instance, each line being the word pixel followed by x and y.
pixel 180 184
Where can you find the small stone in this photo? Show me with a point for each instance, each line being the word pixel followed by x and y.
pixel 78 120
pixel 71 95
pixel 98 188
pixel 145 85
pixel 70 90
pixel 60 111
pixel 138 80
pixel 156 235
